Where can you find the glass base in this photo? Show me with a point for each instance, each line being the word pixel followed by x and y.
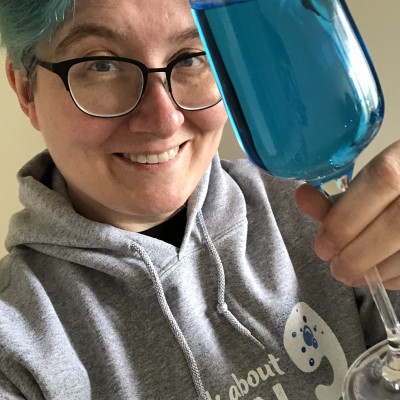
pixel 365 378
pixel 335 183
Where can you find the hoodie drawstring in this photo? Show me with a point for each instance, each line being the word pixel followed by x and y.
pixel 194 370
pixel 222 307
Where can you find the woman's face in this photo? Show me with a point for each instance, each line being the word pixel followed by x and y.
pixel 103 184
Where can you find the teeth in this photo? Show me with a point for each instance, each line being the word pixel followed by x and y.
pixel 141 159
pixel 164 157
pixel 153 158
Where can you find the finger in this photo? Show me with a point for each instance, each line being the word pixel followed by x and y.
pixel 312 202
pixel 352 281
pixel 375 244
pixel 374 188
pixel 389 271
pixel 393 284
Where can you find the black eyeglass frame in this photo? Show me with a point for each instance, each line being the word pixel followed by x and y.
pixel 62 69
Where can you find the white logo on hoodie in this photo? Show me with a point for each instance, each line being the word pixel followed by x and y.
pixel 308 339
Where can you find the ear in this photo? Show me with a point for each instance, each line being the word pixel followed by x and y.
pixel 20 84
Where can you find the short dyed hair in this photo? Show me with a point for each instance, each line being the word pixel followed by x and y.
pixel 24 24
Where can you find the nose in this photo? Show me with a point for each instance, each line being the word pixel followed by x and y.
pixel 156 113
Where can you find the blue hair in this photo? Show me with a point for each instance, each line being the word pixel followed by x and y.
pixel 26 23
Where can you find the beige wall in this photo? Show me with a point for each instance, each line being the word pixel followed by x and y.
pixel 18 143
pixel 378 23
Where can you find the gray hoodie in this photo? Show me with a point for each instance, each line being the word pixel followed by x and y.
pixel 242 310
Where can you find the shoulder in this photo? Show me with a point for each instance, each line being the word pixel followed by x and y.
pixel 15 274
pixel 266 194
pixel 20 287
pixel 17 287
pixel 245 172
pixel 257 184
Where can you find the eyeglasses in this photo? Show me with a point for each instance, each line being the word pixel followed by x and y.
pixel 113 86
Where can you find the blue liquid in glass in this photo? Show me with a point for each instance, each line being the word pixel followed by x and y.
pixel 300 89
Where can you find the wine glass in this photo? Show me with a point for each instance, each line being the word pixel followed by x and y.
pixel 304 100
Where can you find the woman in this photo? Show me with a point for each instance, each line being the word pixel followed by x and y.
pixel 143 266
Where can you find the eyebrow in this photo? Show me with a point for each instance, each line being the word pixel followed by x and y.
pixel 187 34
pixel 80 32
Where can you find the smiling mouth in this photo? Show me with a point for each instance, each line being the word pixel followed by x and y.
pixel 152 158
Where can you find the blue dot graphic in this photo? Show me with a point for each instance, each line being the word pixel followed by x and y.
pixel 308 336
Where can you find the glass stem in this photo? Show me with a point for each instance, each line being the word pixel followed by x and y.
pixel 382 302
pixel 392 369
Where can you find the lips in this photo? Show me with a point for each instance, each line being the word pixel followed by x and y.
pixel 152 158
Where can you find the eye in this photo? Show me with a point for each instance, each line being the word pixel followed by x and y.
pixel 191 62
pixel 103 66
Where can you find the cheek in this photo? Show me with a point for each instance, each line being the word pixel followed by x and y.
pixel 209 120
pixel 64 127
pixel 208 125
pixel 60 121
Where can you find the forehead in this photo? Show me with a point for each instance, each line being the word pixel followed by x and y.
pixel 144 23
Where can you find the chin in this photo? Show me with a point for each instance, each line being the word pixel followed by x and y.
pixel 154 207
pixel 164 211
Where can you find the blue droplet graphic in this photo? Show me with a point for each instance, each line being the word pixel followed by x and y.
pixel 308 336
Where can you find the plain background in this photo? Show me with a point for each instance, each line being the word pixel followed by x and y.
pixel 378 24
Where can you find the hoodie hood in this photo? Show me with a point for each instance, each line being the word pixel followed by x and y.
pixel 49 220
pixel 49 224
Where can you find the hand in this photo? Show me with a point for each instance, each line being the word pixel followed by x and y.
pixel 362 229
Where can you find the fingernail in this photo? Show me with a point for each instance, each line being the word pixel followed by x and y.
pixel 340 272
pixel 324 249
pixel 336 269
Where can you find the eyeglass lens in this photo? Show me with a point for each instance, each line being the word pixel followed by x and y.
pixel 112 87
